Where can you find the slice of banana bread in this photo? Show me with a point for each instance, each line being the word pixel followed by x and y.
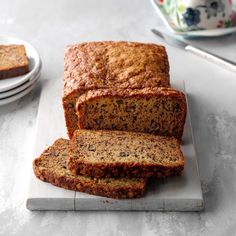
pixel 51 167
pixel 160 111
pixel 124 154
pixel 115 65
pixel 13 61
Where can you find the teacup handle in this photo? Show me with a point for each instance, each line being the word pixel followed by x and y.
pixel 228 64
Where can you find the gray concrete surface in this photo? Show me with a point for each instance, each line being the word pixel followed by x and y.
pixel 49 26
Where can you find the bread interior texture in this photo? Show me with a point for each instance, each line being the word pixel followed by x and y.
pixel 157 115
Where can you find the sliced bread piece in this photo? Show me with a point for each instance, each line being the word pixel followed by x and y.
pixel 160 111
pixel 124 154
pixel 51 167
pixel 13 61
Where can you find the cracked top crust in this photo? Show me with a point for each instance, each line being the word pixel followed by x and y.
pixel 114 65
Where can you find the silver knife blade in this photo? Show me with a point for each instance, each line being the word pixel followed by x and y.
pixel 173 40
pixel 170 39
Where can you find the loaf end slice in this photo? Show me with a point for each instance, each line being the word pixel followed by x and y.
pixel 51 167
pixel 160 111
pixel 124 154
pixel 13 61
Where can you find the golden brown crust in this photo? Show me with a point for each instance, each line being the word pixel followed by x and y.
pixel 116 65
pixel 128 93
pixel 71 118
pixel 138 94
pixel 86 144
pixel 110 170
pixel 13 61
pixel 50 167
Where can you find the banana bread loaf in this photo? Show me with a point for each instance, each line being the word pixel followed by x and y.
pixel 51 167
pixel 13 61
pixel 110 65
pixel 160 111
pixel 124 154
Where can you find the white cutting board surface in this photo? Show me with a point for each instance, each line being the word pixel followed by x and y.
pixel 174 194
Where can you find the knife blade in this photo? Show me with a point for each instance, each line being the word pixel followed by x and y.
pixel 172 40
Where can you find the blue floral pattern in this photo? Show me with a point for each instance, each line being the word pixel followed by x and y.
pixel 191 16
pixel 186 15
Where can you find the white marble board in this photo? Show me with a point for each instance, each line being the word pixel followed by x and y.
pixel 175 194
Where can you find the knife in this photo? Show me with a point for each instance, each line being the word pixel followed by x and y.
pixel 221 61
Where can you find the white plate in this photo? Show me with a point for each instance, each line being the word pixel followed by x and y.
pixel 20 88
pixel 34 64
pixel 18 95
pixel 197 33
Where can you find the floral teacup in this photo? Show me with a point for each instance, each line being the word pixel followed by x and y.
pixel 187 15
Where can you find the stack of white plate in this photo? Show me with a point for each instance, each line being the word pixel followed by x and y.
pixel 14 88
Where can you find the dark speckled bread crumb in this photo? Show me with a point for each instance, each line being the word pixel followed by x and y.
pixel 51 167
pixel 118 154
pixel 159 111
